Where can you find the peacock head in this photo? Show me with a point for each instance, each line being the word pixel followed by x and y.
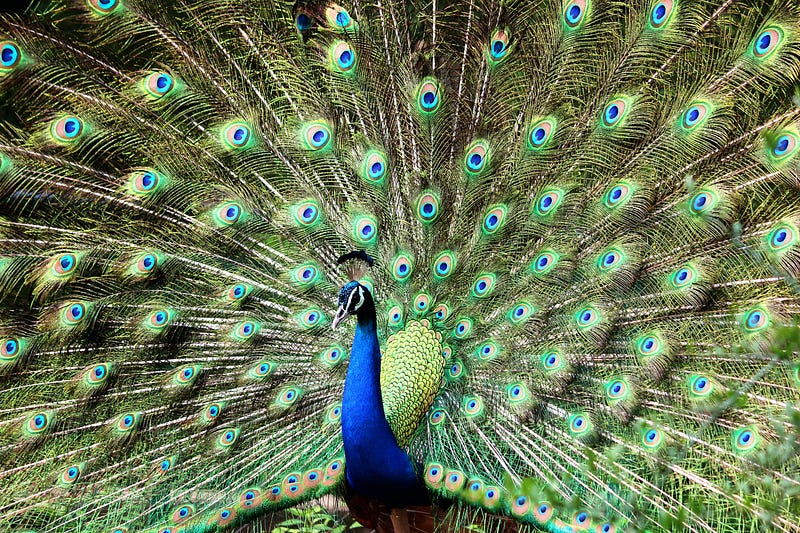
pixel 354 299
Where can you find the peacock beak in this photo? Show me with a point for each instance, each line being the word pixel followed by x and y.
pixel 341 314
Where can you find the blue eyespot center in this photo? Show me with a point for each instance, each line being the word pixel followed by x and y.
pixel 163 82
pixel 475 160
pixel 429 98
pixel 148 180
pixel 9 55
pixel 764 41
pixel 303 22
pixel 521 501
pixel 651 435
pixel 574 12
pixel 659 12
pixel 342 18
pixel 377 168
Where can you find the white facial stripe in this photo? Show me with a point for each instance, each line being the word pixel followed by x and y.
pixel 355 306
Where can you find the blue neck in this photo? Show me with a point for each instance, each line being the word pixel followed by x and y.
pixel 375 466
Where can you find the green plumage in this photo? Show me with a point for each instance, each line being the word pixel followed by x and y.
pixel 412 369
pixel 585 220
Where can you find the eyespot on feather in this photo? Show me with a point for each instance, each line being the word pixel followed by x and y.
pixel 10 56
pixel 237 135
pixel 540 133
pixel 145 182
pixel 499 46
pixel 228 213
pixel 339 19
pixel 476 158
pixel 575 13
pixel 428 206
pixel 661 14
pixel 767 42
pixel 103 7
pixel 316 136
pixel 343 58
pixel 374 167
pixel 402 267
pixel 483 285
pixel 365 230
pixel 158 84
pixel 615 112
pixel 429 95
pixel 67 129
pixel 74 313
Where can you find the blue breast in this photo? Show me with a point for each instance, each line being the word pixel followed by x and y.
pixel 375 466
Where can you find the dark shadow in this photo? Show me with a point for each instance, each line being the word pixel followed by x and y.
pixel 14 6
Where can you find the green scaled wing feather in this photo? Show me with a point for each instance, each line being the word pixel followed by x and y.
pixel 585 221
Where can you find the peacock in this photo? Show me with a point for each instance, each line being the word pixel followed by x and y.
pixel 496 265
